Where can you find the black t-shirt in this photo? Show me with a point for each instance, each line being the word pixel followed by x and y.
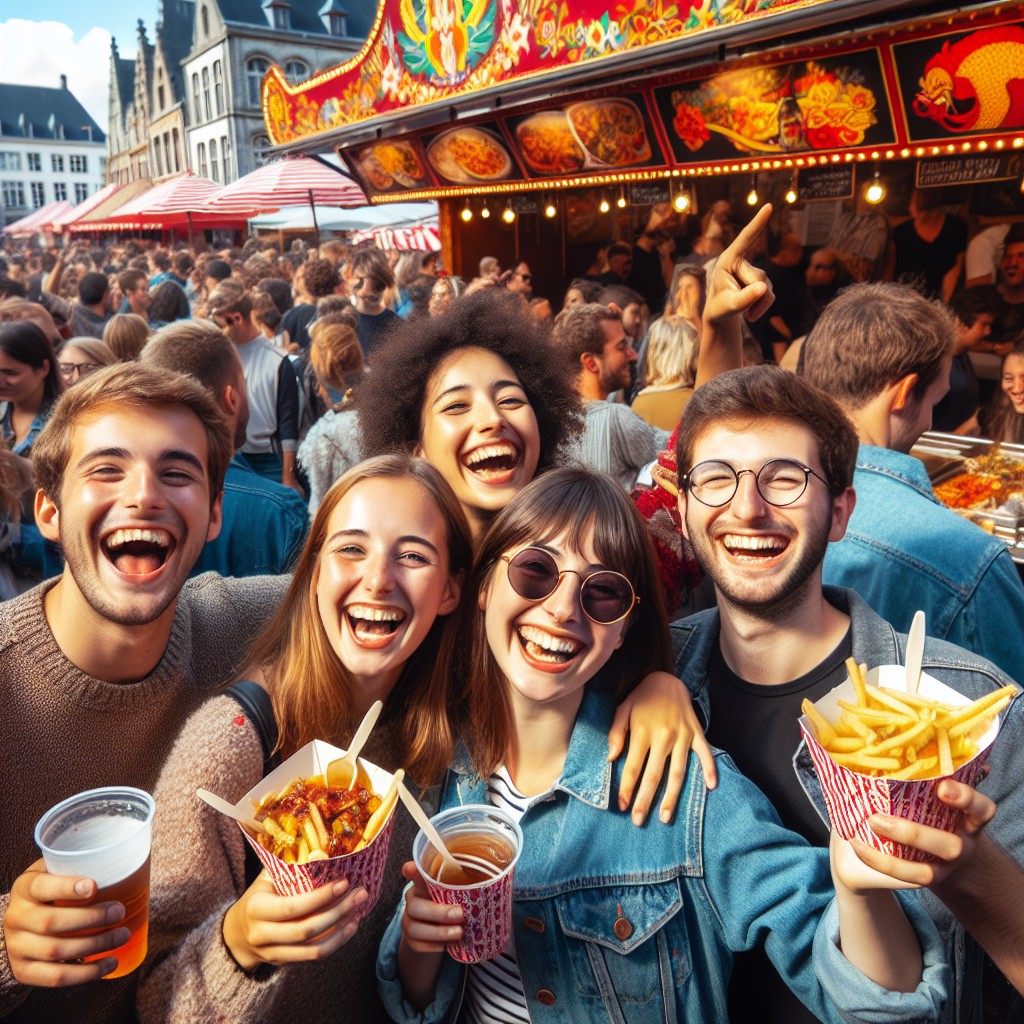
pixel 374 328
pixel 296 322
pixel 961 400
pixel 757 726
pixel 646 278
pixel 923 264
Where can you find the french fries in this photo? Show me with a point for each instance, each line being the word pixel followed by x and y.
pixel 888 733
pixel 305 821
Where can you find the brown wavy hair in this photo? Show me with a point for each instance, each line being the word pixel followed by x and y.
pixel 572 501
pixel 311 690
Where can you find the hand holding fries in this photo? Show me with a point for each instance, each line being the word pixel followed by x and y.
pixel 892 734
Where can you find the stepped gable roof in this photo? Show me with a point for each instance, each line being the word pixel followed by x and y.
pixel 45 111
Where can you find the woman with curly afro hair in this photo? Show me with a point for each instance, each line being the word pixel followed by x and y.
pixel 479 393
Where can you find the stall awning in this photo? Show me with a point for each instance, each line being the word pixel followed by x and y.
pixel 528 95
pixel 359 219
pixel 68 217
pixel 97 218
pixel 33 222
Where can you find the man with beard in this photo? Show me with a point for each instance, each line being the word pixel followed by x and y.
pixel 103 664
pixel 600 357
pixel 766 467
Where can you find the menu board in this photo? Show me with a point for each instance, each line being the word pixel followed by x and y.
pixel 394 165
pixel 469 155
pixel 960 170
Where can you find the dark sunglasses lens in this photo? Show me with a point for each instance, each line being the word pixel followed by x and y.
pixel 533 574
pixel 606 596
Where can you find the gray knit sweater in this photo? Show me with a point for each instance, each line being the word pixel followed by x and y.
pixel 62 732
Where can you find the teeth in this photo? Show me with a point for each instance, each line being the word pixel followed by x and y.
pixel 121 537
pixel 558 644
pixel 370 613
pixel 745 543
pixel 491 451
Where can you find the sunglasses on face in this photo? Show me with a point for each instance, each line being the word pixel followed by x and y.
pixel 605 596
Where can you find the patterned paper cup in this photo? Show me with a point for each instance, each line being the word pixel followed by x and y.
pixel 363 868
pixel 851 798
pixel 487 921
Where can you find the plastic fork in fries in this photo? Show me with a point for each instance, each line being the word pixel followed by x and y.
pixel 892 734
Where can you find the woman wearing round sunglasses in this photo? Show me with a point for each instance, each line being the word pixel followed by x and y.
pixel 481 395
pixel 611 922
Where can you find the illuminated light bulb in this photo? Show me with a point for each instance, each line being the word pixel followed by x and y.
pixel 621 202
pixel 791 196
pixel 682 202
pixel 875 193
pixel 550 211
pixel 467 214
pixel 752 197
pixel 485 212
pixel 508 214
pixel 604 206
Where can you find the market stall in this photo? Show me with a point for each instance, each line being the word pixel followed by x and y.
pixel 541 126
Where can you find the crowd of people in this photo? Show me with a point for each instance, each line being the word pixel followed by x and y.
pixel 342 476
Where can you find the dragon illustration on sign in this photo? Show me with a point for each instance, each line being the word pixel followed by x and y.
pixel 977 83
pixel 445 39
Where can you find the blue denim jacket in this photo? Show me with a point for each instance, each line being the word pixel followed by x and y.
pixel 725 876
pixel 903 551
pixel 877 643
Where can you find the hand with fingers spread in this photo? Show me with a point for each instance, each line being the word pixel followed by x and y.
pixel 662 726
pixel 427 928
pixel 266 927
pixel 40 947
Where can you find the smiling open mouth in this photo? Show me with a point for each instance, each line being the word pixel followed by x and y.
pixel 137 552
pixel 542 646
pixel 759 548
pixel 492 461
pixel 370 624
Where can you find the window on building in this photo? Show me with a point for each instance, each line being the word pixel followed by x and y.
pixel 260 145
pixel 10 162
pixel 225 155
pixel 176 144
pixel 255 69
pixel 81 192
pixel 38 195
pixel 206 22
pixel 198 111
pixel 296 71
pixel 57 162
pixel 336 24
pixel 13 193
pixel 160 98
pixel 201 149
pixel 79 164
pixel 206 94
pixel 35 162
pixel 214 163
pixel 159 158
pixel 103 166
pixel 218 86
pixel 60 191
pixel 282 17
pixel 167 151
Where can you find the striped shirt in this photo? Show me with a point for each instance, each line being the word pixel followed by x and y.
pixel 494 988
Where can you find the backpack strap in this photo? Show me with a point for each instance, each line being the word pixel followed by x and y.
pixel 256 704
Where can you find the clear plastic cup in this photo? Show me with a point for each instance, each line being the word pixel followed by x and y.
pixel 105 834
pixel 484 831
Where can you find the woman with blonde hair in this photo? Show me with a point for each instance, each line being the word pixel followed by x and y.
pixel 125 335
pixel 332 444
pixel 672 349
pixel 82 356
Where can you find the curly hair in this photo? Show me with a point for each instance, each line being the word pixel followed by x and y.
pixel 321 277
pixel 390 400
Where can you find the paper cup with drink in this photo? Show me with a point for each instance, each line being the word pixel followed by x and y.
pixel 879 749
pixel 487 843
pixel 105 834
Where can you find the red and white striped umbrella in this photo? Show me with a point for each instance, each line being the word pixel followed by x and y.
pixel 421 237
pixel 62 220
pixel 35 220
pixel 171 202
pixel 293 181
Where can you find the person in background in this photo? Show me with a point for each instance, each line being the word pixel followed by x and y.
pixel 168 303
pixel 371 277
pixel 540 309
pixel 781 263
pixel 518 281
pixel 955 411
pixel 1003 418
pixel 652 270
pixel 91 313
pixel 30 384
pixel 82 356
pixel 125 335
pixel 620 263
pixel 672 350
pixel 442 292
pixel 824 278
pixel 319 279
pixel 135 291
pixel 333 444
pixel 490 267
pixel 581 290
pixel 927 251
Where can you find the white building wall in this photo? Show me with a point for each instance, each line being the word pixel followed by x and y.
pixel 54 179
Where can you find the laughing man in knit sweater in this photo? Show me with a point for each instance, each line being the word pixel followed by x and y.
pixel 101 667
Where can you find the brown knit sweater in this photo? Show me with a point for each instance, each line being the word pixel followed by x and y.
pixel 199 871
pixel 62 732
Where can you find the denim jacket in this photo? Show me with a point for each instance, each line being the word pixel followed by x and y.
pixel 723 877
pixel 903 551
pixel 877 643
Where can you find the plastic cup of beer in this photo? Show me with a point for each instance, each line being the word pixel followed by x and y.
pixel 105 834
pixel 477 830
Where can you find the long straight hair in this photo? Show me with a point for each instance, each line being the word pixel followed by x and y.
pixel 1000 421
pixel 583 505
pixel 312 691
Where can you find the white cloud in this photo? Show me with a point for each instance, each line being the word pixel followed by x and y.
pixel 39 52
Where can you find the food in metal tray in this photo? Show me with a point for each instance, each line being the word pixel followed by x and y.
pixel 987 481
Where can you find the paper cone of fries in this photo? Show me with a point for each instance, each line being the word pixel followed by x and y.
pixel 363 868
pixel 852 795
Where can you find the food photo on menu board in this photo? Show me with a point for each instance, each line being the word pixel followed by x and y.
pixel 466 156
pixel 391 166
pixel 589 135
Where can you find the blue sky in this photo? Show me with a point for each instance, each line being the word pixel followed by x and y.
pixel 41 39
